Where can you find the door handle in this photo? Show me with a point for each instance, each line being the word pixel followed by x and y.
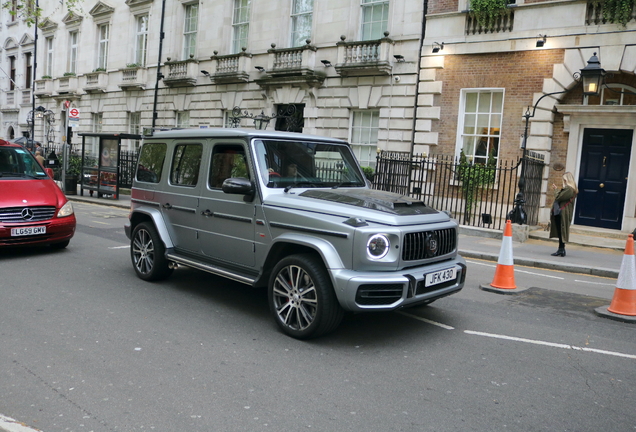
pixel 207 213
pixel 602 185
pixel 167 206
pixel 604 160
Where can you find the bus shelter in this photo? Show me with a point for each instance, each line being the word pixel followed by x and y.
pixel 101 168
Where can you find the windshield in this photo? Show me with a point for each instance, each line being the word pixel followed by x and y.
pixel 284 164
pixel 17 162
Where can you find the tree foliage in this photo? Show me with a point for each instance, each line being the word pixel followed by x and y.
pixel 617 11
pixel 29 10
pixel 486 12
pixel 474 176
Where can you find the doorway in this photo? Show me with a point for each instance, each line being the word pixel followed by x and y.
pixel 603 176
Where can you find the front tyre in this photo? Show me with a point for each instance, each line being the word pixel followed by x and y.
pixel 147 253
pixel 302 299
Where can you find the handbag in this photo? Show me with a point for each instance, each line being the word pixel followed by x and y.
pixel 556 209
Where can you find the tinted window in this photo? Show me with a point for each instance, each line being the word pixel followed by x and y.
pixel 227 161
pixel 185 164
pixel 19 162
pixel 151 162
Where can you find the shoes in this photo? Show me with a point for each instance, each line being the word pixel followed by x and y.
pixel 560 252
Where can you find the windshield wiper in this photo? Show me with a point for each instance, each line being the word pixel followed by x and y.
pixel 345 184
pixel 305 183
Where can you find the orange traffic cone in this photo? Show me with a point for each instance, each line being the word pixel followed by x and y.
pixel 623 305
pixel 505 271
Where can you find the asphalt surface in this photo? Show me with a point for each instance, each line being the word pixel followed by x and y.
pixel 598 255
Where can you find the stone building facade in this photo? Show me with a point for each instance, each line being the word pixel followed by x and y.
pixel 349 68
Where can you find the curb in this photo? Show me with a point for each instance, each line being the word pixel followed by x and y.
pixel 548 265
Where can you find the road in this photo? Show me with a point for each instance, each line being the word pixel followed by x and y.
pixel 87 346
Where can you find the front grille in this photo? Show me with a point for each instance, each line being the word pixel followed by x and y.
pixel 32 214
pixel 378 294
pixel 429 244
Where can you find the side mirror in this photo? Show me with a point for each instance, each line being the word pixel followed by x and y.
pixel 49 172
pixel 238 186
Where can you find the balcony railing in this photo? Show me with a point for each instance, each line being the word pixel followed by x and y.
pixel 502 23
pixel 232 67
pixel 181 73
pixel 291 66
pixel 67 84
pixel 26 96
pixel 96 82
pixel 365 57
pixel 596 14
pixel 44 87
pixel 133 79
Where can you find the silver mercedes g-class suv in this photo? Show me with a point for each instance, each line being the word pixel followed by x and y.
pixel 290 212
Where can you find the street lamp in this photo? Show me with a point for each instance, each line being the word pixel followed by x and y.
pixel 591 76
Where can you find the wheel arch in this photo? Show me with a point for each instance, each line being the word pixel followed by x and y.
pixel 154 216
pixel 295 244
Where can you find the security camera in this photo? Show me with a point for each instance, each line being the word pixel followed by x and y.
pixel 396 78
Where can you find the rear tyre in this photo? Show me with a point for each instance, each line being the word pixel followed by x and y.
pixel 147 253
pixel 302 299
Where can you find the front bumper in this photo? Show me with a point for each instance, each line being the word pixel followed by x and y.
pixel 382 291
pixel 57 230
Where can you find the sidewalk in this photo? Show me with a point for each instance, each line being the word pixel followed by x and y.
pixel 595 252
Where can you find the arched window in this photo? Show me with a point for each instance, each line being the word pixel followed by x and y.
pixel 613 94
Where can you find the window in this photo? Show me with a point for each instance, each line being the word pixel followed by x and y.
pixel 150 162
pixel 72 52
pixel 479 125
pixel 375 19
pixel 613 94
pixel 11 73
pixel 302 12
pixel 227 161
pixel 102 46
pixel 183 119
pixel 185 164
pixel 141 40
pixel 364 136
pixel 48 59
pixel 134 127
pixel 28 70
pixel 190 31
pixel 240 24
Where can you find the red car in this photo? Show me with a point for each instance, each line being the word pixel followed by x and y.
pixel 33 209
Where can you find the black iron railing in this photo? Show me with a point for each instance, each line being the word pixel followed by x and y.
pixel 476 195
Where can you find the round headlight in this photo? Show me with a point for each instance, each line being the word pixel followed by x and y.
pixel 378 246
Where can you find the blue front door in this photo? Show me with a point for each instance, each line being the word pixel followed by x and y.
pixel 603 177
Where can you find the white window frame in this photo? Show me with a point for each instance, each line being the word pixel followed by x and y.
pixel 369 28
pixel 489 135
pixel 73 47
pixel 240 24
pixel 134 127
pixel 103 39
pixel 49 56
pixel 141 39
pixel 182 119
pixel 190 29
pixel 298 34
pixel 363 135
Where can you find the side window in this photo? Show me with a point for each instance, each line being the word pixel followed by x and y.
pixel 227 161
pixel 151 162
pixel 185 164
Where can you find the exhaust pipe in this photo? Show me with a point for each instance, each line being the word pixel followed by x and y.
pixel 173 265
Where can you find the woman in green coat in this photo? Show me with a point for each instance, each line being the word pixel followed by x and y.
pixel 562 212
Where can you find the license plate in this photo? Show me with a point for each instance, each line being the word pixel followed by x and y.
pixel 440 276
pixel 15 232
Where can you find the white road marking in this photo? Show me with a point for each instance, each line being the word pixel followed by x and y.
pixel 595 283
pixel 518 271
pixel 103 223
pixel 119 247
pixel 11 425
pixel 550 344
pixel 435 323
